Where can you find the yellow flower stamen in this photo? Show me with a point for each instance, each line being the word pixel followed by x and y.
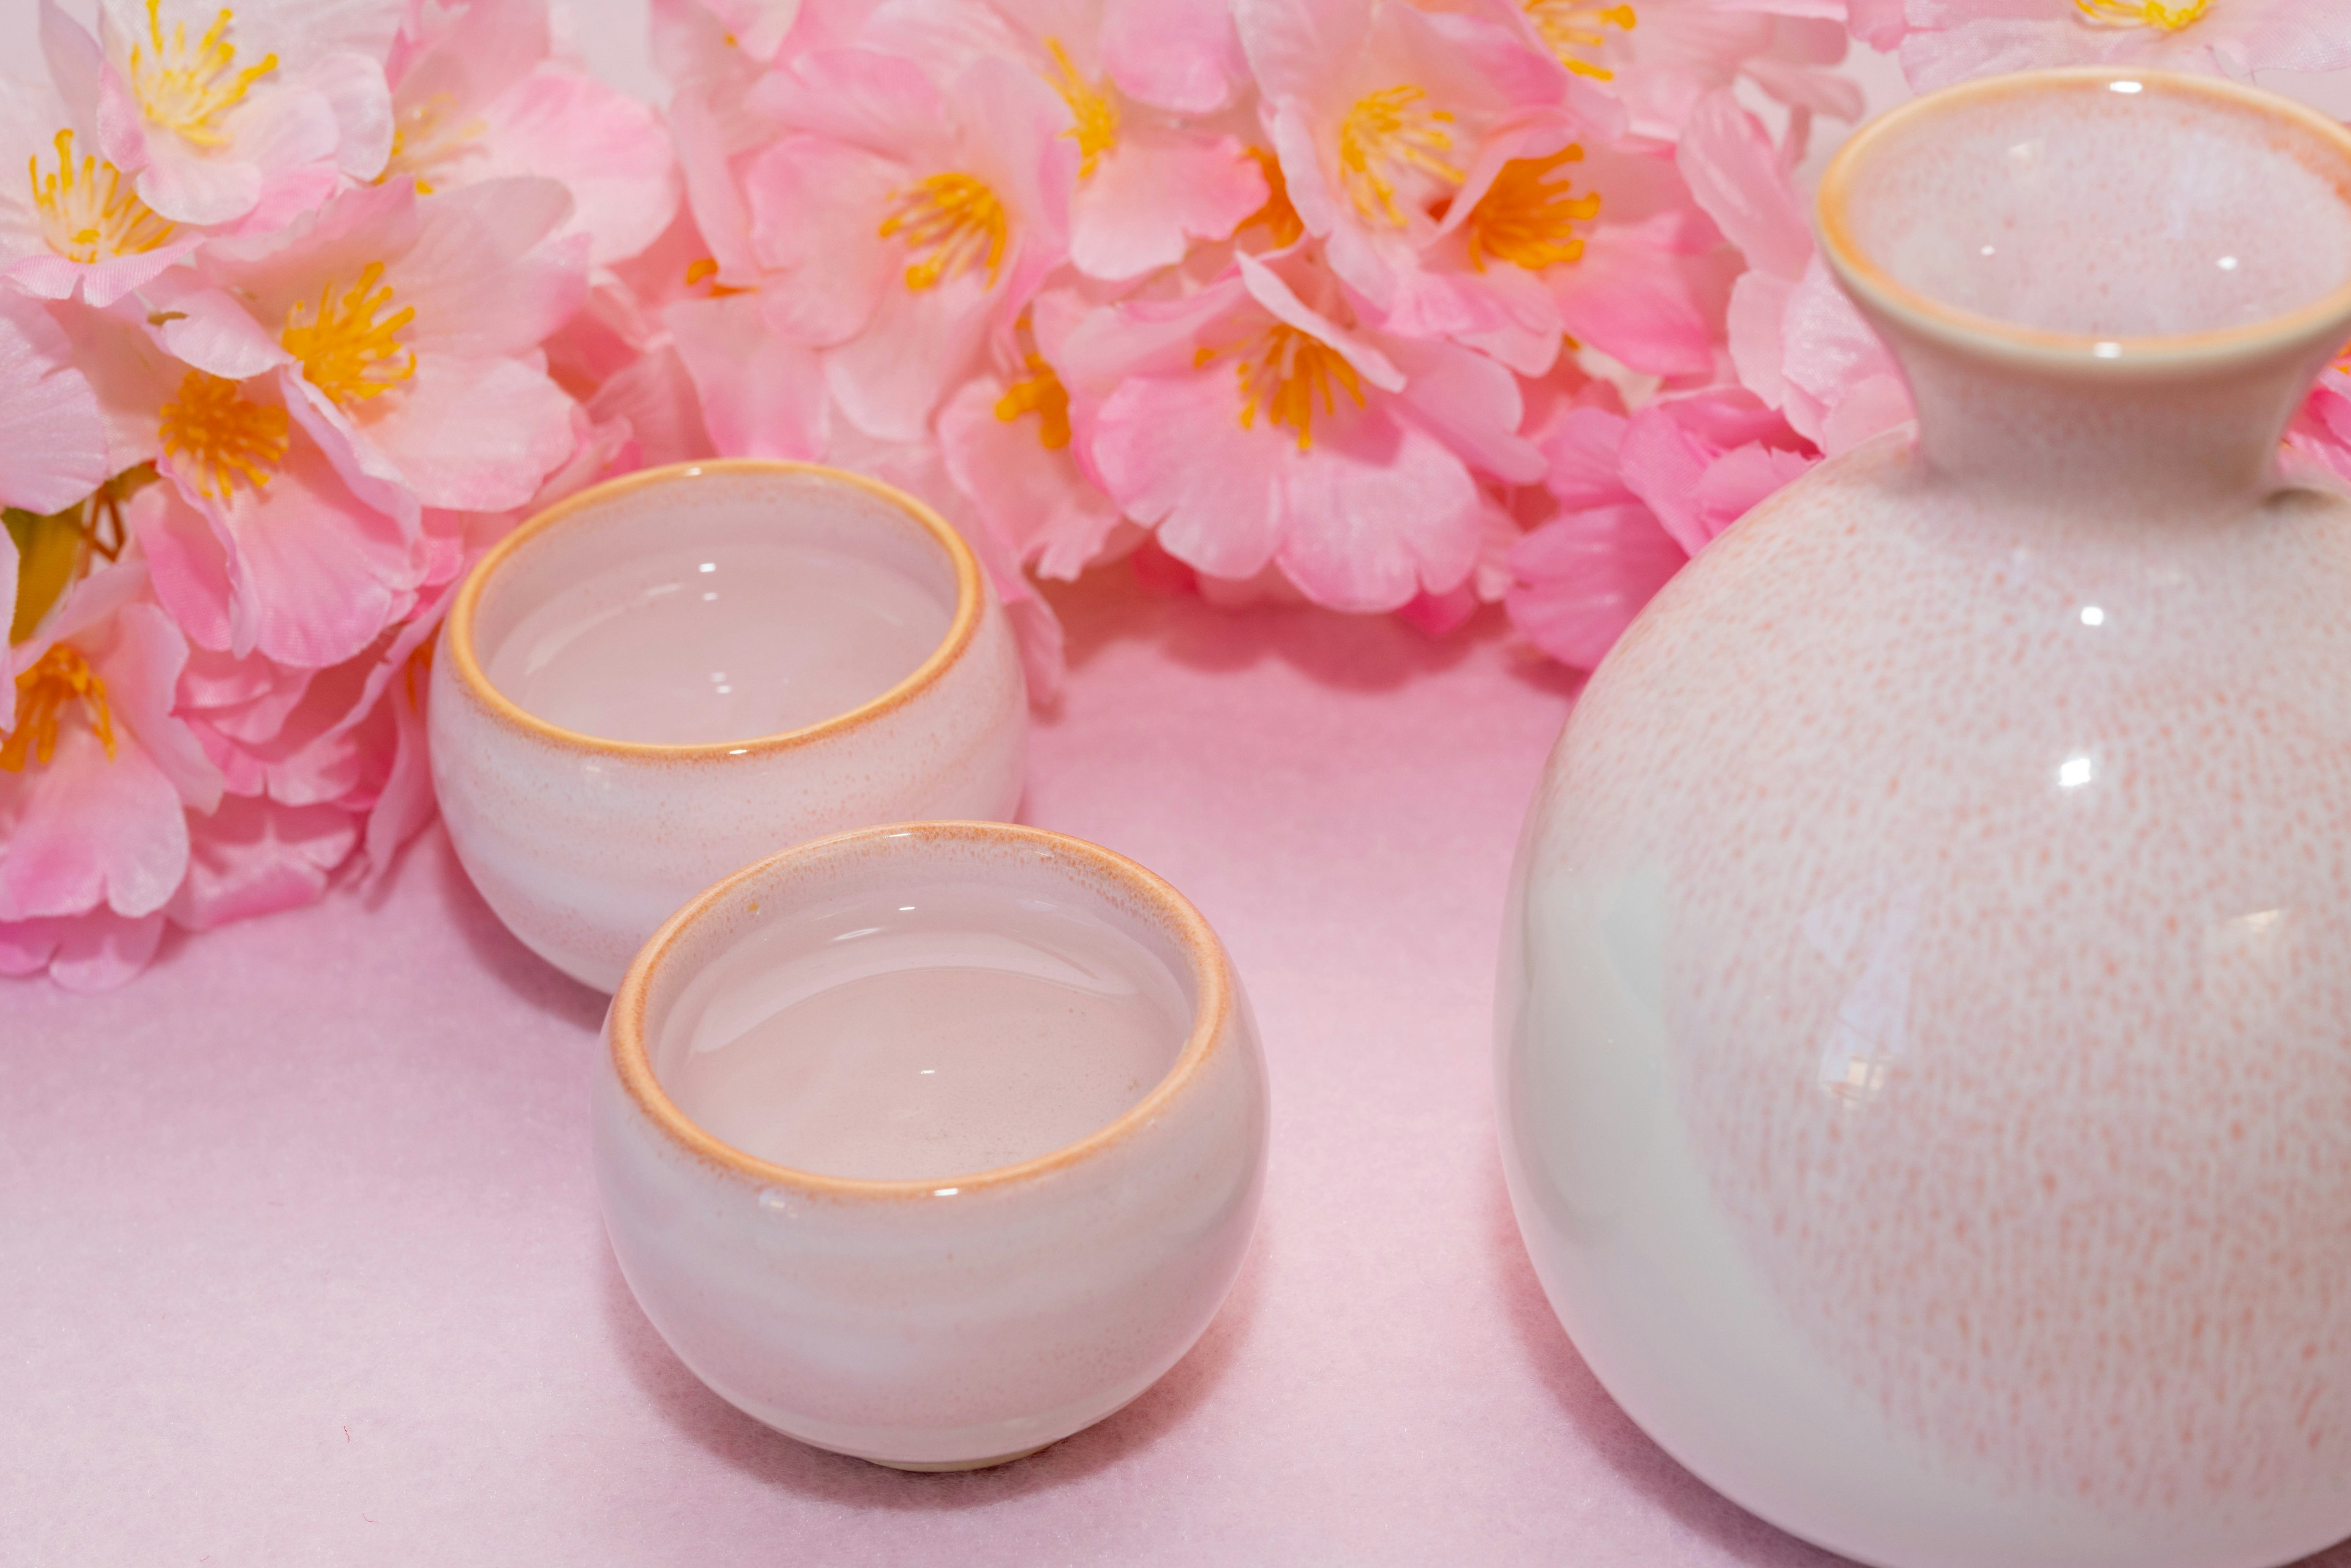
pixel 2142 13
pixel 222 435
pixel 1286 373
pixel 952 223
pixel 1383 139
pixel 188 90
pixel 345 351
pixel 1577 30
pixel 1280 220
pixel 1096 130
pixel 56 678
pixel 1042 394
pixel 1521 218
pixel 93 215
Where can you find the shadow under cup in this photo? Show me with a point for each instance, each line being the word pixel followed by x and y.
pixel 668 676
pixel 932 1144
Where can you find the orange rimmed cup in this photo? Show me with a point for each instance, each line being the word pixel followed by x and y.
pixel 932 1144
pixel 667 676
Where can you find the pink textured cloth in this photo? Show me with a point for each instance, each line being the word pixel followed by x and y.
pixel 299 1258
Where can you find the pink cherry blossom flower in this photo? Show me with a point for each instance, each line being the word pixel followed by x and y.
pixel 1547 241
pixel 96 778
pixel 1376 112
pixel 1008 439
pixel 1149 183
pixel 259 544
pixel 477 98
pixel 406 333
pixel 1637 498
pixel 52 442
pixel 224 114
pixel 76 223
pixel 898 222
pixel 1251 428
pixel 1797 340
pixel 1949 40
pixel 1659 57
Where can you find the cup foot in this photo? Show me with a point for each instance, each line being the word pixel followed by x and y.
pixel 930 1467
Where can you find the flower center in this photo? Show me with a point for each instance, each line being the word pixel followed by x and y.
pixel 426 139
pixel 223 436
pixel 2144 13
pixel 952 223
pixel 345 351
pixel 1522 218
pixel 188 90
pixel 92 216
pixel 59 677
pixel 1096 130
pixel 1042 394
pixel 1287 372
pixel 1383 139
pixel 1277 217
pixel 1575 30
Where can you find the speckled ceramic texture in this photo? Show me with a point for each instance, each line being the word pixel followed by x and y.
pixel 584 845
pixel 1925 1016
pixel 952 1322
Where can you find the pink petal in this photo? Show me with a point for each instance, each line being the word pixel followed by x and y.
pixel 92 952
pixel 1734 175
pixel 1178 55
pixel 131 373
pixel 717 201
pixel 1582 579
pixel 816 211
pixel 1743 479
pixel 1759 303
pixel 142 663
pixel 890 377
pixel 74 58
pixel 314 573
pixel 83 829
pixel 489 273
pixel 480 52
pixel 211 329
pixel 655 398
pixel 1155 191
pixel 188 561
pixel 405 803
pixel 607 149
pixel 1297 48
pixel 471 434
pixel 254 857
pixel 1376 517
pixel 1172 453
pixel 52 446
pixel 355 92
pixel 1654 311
pixel 760 396
pixel 1033 497
pixel 1470 402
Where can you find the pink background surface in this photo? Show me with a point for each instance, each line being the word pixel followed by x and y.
pixel 299 1258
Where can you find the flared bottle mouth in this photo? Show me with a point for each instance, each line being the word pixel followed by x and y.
pixel 2131 220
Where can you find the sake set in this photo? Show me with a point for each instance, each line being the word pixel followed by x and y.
pixel 1924 1046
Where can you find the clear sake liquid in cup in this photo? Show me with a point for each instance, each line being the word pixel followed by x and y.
pixel 737 633
pixel 941 1030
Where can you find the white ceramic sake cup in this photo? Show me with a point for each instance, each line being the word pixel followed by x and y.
pixel 583 844
pixel 941 1324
